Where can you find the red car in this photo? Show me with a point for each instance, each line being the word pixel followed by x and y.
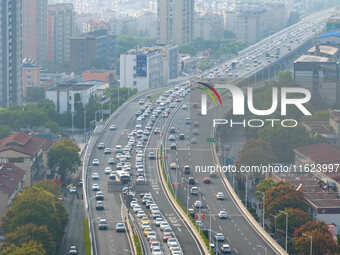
pixel 166 236
pixel 206 180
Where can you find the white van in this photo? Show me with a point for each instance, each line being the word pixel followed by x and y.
pixel 118 149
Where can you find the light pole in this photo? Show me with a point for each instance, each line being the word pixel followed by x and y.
pixel 311 243
pixel 95 115
pixel 286 227
pixel 263 203
pixel 102 112
pixel 73 113
pixel 275 217
pixel 208 209
pixel 263 247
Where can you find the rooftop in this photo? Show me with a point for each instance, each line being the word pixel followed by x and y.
pixel 10 176
pixel 329 50
pixel 320 153
pixel 92 35
pixel 315 126
pixel 76 86
pixel 25 143
pixel 310 58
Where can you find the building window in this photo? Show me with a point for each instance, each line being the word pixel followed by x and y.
pixel 134 83
pixel 29 76
pixel 28 160
pixel 16 160
pixel 135 76
pixel 134 67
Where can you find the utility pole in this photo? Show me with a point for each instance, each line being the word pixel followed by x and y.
pixel 311 243
pixel 286 227
pixel 85 125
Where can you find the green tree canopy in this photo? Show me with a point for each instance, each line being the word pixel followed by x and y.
pixel 296 218
pixel 49 186
pixel 64 157
pixel 4 131
pixel 31 248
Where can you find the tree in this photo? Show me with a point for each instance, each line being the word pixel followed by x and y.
pixel 323 242
pixel 53 126
pixel 37 206
pixel 284 196
pixel 35 94
pixel 30 232
pixel 228 34
pixel 35 117
pixel 31 248
pixel 49 186
pixel 322 115
pixel 64 157
pixel 4 131
pixel 265 185
pixel 187 49
pixel 296 218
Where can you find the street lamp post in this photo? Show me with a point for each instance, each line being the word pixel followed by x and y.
pixel 264 202
pixel 264 248
pixel 275 217
pixel 73 113
pixel 286 227
pixel 311 243
pixel 102 112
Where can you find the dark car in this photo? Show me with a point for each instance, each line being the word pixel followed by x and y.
pixel 100 205
pixel 181 137
pixel 102 224
pixel 173 146
pixel 172 130
pixel 191 180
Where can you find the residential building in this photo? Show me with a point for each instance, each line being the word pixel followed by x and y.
pixel 175 21
pixel 10 52
pixel 27 152
pixel 93 49
pixel 34 30
pixel 124 25
pixel 318 75
pixel 66 96
pixel 95 24
pixel 99 75
pixel 60 29
pixel 11 180
pixel 141 69
pixel 30 77
pixel 209 27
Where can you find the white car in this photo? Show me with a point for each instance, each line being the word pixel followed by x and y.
pixel 198 204
pixel 219 237
pixel 220 196
pixel 107 170
pixel 222 215
pixel 164 225
pixel 95 162
pixel 95 187
pixel 140 179
pixel 137 208
pixel 95 176
pixel 112 127
pixel 145 225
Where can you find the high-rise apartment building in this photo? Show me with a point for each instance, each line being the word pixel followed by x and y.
pixel 34 30
pixel 60 28
pixel 10 52
pixel 175 21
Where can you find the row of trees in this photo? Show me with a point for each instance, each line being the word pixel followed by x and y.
pixel 280 196
pixel 35 223
pixel 44 113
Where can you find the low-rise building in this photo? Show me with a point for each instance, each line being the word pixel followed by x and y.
pixel 95 24
pixel 11 182
pixel 100 75
pixel 141 69
pixel 209 27
pixel 318 75
pixel 330 38
pixel 30 77
pixel 27 152
pixel 65 96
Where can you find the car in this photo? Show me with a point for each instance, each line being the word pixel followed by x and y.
pixel 145 225
pixel 156 131
pixel 99 205
pixel 198 204
pixel 151 234
pixel 80 183
pixel 199 223
pixel 186 169
pixel 172 138
pixel 158 221
pixel 222 215
pixel 137 208
pixel 181 136
pixel 206 180
pixel 95 162
pixel 157 251
pixel 225 248
pixel 152 155
pixel 113 127
pixel 120 227
pixel 102 224
pixel 191 180
pixel 163 225
pixel 95 187
pixel 108 170
pixel 141 102
pixel 172 130
pixel 101 146
pixel 185 107
pixel 219 237
pixel 155 244
pixel 111 161
pixel 99 195
pixel 220 196
pixel 140 179
pixel 173 166
pixel 73 190
pixel 148 96
pixel 213 248
pixel 194 141
pixel 140 214
pixel 112 175
pixel 196 124
pixel 173 146
pixel 107 151
pixel 73 250
pixel 187 121
pixel 145 219
pixel 195 132
pixel 194 191
pixel 152 239
pixel 147 230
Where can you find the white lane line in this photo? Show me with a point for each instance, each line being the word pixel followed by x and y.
pixel 219 227
pixel 236 250
pixel 250 243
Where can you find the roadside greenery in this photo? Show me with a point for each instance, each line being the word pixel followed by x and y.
pixel 87 240
pixel 35 222
pixel 137 244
